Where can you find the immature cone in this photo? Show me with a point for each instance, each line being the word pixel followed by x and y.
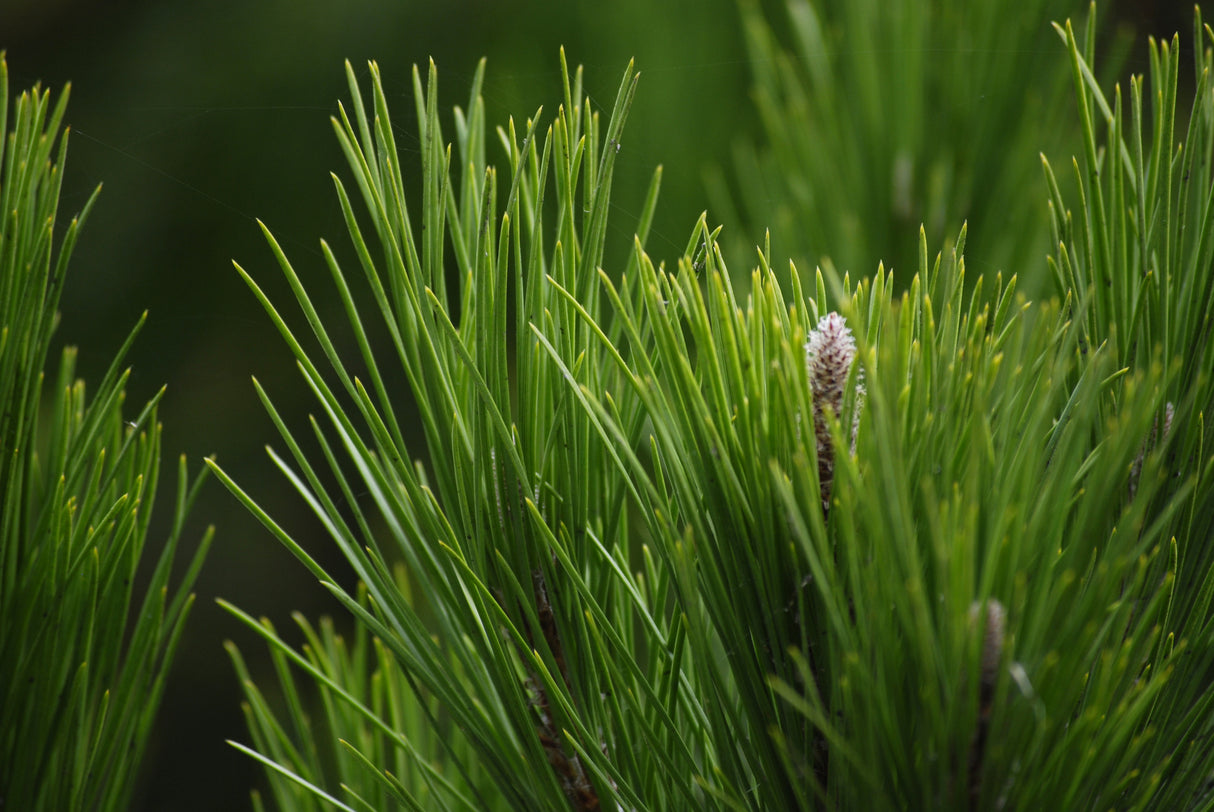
pixel 829 354
pixel 1148 444
pixel 992 645
pixel 992 651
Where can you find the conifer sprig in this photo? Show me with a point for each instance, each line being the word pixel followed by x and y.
pixel 625 573
pixel 83 655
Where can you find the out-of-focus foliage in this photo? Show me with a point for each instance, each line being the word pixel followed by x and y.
pixel 882 115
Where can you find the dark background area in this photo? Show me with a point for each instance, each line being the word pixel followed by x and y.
pixel 199 117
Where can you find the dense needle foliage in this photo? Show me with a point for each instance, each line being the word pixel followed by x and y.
pixel 83 653
pixel 674 541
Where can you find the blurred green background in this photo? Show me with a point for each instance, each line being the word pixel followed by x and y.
pixel 199 117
